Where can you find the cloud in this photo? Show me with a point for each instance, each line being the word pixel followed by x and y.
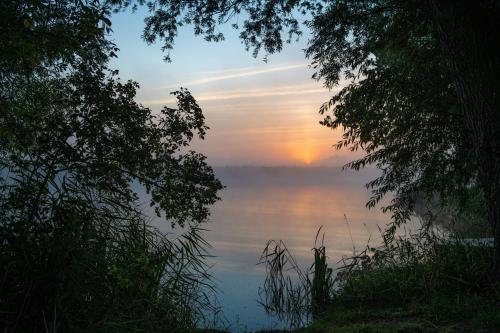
pixel 235 70
pixel 244 72
pixel 248 93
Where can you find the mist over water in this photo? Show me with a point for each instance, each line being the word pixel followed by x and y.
pixel 289 203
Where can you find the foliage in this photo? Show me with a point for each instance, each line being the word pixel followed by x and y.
pixel 77 253
pixel 399 107
pixel 415 269
pixel 83 272
pixel 265 24
pixel 322 279
pixel 475 314
pixel 64 109
pixel 416 283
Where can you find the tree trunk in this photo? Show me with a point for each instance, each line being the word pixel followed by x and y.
pixel 469 33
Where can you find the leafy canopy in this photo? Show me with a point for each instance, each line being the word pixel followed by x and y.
pixel 63 108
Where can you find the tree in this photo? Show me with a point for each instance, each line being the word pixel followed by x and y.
pixel 77 253
pixel 469 34
pixel 423 95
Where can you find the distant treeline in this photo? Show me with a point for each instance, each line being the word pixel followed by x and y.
pixel 248 176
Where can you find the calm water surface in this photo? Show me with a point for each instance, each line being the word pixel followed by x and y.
pixel 290 204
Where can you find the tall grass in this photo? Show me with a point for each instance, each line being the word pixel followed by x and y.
pixel 436 273
pixel 415 268
pixel 285 292
pixel 82 269
pixel 321 283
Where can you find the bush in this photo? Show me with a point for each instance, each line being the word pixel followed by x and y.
pixel 417 280
pixel 82 272
pixel 415 269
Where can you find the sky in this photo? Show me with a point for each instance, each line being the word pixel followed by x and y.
pixel 259 113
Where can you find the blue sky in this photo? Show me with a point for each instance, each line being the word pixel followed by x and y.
pixel 259 113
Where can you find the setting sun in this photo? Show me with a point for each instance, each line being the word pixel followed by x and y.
pixel 306 157
pixel 304 154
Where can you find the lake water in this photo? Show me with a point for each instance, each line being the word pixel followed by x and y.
pixel 288 204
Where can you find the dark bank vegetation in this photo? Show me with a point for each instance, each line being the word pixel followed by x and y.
pixel 77 253
pixel 421 282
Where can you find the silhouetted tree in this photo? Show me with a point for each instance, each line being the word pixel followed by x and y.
pixel 469 36
pixel 76 252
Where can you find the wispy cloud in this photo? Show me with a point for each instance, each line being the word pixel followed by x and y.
pixel 234 70
pixel 248 93
pixel 242 72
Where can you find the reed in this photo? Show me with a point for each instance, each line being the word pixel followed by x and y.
pixel 85 272
pixel 322 281
pixel 434 277
pixel 289 292
pixel 285 292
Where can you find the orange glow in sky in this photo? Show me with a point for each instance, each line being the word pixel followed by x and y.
pixel 305 154
pixel 259 113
